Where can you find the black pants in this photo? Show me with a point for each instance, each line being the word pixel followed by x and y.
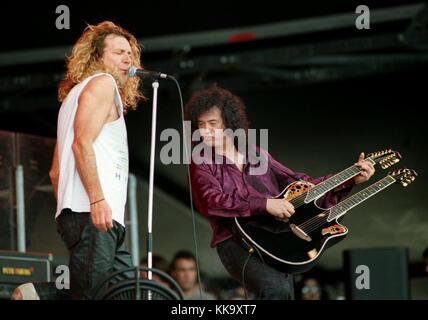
pixel 93 255
pixel 261 279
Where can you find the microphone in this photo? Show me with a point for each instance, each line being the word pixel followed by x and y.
pixel 135 72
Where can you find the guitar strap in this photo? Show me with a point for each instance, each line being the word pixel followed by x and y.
pixel 249 248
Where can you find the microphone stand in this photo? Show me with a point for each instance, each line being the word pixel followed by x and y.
pixel 155 86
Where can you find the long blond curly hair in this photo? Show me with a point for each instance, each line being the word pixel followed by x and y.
pixel 85 60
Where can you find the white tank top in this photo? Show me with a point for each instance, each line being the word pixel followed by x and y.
pixel 111 153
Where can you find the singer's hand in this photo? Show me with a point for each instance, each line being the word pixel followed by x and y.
pixel 101 216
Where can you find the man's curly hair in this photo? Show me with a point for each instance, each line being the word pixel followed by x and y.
pixel 231 106
pixel 86 60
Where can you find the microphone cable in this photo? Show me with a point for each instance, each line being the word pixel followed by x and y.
pixel 190 186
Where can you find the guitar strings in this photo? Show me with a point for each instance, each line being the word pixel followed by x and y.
pixel 317 221
pixel 300 200
pixel 313 224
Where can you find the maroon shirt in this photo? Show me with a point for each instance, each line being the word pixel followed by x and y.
pixel 221 191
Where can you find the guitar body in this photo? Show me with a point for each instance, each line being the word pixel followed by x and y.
pixel 293 246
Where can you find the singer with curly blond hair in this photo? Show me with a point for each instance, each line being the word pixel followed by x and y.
pixel 89 172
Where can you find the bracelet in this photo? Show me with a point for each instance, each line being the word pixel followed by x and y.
pixel 97 201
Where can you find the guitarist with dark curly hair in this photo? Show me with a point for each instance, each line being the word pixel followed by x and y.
pixel 226 184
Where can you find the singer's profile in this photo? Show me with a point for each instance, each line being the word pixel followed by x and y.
pixel 89 170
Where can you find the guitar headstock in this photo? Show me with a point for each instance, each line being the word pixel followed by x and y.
pixel 404 176
pixel 385 158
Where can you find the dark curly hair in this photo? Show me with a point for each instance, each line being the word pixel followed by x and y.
pixel 231 106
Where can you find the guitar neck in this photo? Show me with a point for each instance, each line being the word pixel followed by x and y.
pixel 333 182
pixel 341 208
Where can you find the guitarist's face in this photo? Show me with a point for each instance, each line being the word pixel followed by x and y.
pixel 211 126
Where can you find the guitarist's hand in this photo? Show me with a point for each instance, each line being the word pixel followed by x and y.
pixel 281 209
pixel 367 170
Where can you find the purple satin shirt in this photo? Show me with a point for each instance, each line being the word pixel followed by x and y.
pixel 221 191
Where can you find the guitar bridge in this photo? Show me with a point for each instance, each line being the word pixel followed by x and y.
pixel 300 233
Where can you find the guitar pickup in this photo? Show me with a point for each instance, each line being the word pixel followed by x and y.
pixel 300 233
